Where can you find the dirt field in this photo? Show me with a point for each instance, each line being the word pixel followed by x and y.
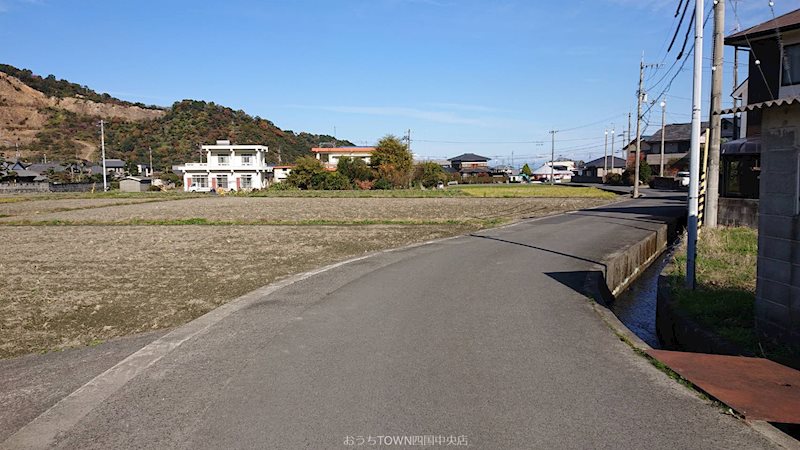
pixel 65 286
pixel 288 210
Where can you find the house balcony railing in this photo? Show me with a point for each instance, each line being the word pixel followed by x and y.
pixel 217 166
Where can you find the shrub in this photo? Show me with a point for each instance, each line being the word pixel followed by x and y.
pixel 382 184
pixel 429 174
pixel 364 185
pixel 307 173
pixel 355 169
pixel 333 181
pixel 152 188
pixel 613 179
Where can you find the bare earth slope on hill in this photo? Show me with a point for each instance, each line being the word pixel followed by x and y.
pixel 22 118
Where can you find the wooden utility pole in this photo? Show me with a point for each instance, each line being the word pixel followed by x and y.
pixel 712 178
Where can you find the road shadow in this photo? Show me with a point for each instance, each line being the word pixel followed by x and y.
pixel 554 252
pixel 589 283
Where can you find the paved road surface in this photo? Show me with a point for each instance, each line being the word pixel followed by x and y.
pixel 485 336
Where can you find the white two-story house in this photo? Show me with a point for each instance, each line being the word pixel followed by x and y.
pixel 227 167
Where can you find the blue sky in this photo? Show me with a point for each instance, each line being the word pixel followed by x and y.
pixel 489 77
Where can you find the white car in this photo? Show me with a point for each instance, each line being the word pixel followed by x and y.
pixel 683 178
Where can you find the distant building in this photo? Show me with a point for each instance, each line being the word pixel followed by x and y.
pixel 330 156
pixel 115 167
pixel 469 161
pixel 603 166
pixel 228 167
pixel 280 173
pixel 135 184
pixel 677 143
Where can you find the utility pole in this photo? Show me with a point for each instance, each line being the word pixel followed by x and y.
pixel 103 155
pixel 712 177
pixel 640 98
pixel 628 142
pixel 694 160
pixel 552 157
pixel 408 139
pixel 613 132
pixel 663 137
pixel 639 94
pixel 605 157
pixel 151 160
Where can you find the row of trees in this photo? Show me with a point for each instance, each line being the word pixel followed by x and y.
pixel 391 167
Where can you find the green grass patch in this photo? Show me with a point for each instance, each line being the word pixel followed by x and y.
pixel 532 190
pixel 724 298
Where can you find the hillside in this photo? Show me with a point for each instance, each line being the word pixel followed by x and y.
pixel 59 118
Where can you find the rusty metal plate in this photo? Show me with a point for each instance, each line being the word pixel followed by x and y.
pixel 757 388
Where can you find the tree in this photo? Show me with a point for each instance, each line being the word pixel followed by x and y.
pixel 308 171
pixel 355 169
pixel 645 172
pixel 526 170
pixel 393 161
pixel 429 174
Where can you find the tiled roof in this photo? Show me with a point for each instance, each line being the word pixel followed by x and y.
pixel 617 162
pixel 469 157
pixel 786 22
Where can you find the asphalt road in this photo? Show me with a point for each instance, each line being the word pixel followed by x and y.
pixel 486 337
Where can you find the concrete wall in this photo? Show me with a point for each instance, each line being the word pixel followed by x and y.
pixel 778 287
pixel 738 212
pixel 12 188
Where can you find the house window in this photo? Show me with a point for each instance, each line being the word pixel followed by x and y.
pixel 200 181
pixel 223 160
pixel 247 181
pixel 791 65
pixel 247 160
pixel 222 181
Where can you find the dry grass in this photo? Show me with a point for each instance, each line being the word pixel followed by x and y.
pixel 268 209
pixel 63 286
pixel 69 286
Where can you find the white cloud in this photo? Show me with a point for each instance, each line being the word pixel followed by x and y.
pixel 445 117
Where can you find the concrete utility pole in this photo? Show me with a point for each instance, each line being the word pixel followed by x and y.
pixel 694 160
pixel 408 139
pixel 103 155
pixel 663 137
pixel 552 157
pixel 712 178
pixel 640 98
pixel 613 132
pixel 605 157
pixel 151 160
pixel 628 142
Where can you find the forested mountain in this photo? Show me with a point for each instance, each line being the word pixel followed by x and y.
pixel 60 119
